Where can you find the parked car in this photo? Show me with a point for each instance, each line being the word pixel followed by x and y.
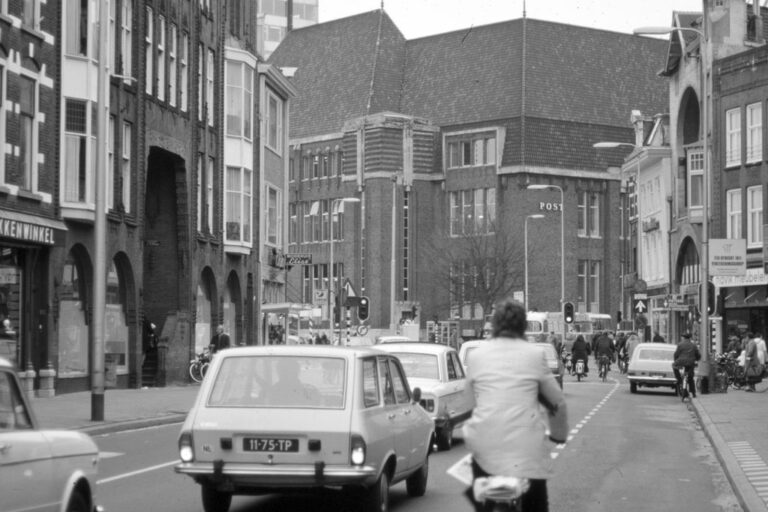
pixel 41 469
pixel 294 418
pixel 438 372
pixel 651 366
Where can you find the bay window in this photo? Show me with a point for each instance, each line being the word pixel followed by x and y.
pixel 239 88
pixel 239 204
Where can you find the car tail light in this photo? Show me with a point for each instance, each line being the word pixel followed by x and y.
pixel 428 404
pixel 357 450
pixel 186 450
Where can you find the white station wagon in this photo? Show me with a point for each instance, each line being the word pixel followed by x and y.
pixel 41 469
pixel 292 418
pixel 651 366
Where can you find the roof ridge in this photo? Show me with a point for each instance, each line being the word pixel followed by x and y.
pixel 376 50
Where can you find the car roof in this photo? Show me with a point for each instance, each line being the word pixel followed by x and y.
pixel 663 346
pixel 420 347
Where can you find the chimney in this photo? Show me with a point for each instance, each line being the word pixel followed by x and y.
pixel 289 15
pixel 638 121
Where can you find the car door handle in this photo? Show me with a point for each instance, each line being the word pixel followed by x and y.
pixel 4 448
pixel 391 416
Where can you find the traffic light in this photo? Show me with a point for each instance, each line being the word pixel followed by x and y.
pixel 362 308
pixel 713 301
pixel 568 312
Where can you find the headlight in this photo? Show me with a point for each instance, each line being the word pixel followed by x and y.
pixel 428 404
pixel 186 451
pixel 357 450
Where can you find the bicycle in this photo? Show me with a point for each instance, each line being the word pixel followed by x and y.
pixel 728 365
pixel 603 366
pixel 683 388
pixel 623 362
pixel 198 366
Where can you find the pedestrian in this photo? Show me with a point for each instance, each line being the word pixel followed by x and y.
pixel 581 350
pixel 761 349
pixel 734 345
pixel 220 340
pixel 324 340
pixel 686 355
pixel 508 380
pixel 753 370
pixel 633 340
pixel 658 338
pixel 149 340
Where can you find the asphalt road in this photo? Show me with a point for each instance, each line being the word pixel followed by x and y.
pixel 627 452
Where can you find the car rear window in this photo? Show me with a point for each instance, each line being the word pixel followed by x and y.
pixel 419 366
pixel 650 354
pixel 280 381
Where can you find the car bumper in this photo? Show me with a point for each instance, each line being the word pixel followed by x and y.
pixel 646 380
pixel 243 476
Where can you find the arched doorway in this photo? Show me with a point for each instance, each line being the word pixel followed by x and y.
pixel 688 278
pixel 73 325
pixel 205 312
pixel 232 310
pixel 120 317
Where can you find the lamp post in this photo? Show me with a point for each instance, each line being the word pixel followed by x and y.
pixel 706 56
pixel 534 216
pixel 611 145
pixel 337 207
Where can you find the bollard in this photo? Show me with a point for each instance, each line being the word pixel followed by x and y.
pixel 47 377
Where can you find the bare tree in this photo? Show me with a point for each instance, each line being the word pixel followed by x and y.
pixel 475 268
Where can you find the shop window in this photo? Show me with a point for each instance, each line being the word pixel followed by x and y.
pixel 73 329
pixel 115 324
pixel 10 305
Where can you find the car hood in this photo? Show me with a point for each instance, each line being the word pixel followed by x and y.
pixel 67 443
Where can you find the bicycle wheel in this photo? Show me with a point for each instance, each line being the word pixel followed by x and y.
pixel 194 371
pixel 204 370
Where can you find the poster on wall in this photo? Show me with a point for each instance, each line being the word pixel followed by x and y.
pixel 727 256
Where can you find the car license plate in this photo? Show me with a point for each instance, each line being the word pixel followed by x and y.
pixel 657 374
pixel 261 444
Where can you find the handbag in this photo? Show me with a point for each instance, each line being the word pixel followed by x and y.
pixel 754 371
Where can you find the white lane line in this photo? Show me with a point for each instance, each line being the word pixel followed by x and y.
pixel 110 455
pixel 137 472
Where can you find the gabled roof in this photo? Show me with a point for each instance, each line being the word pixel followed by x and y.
pixel 571 73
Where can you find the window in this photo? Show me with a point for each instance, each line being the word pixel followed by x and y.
pixel 754 133
pixel 200 159
pixel 370 383
pixel 274 124
pixel 76 176
pixel 76 24
pixel 274 218
pixel 472 211
pixel 755 216
pixel 2 122
pixel 172 49
pixel 316 166
pixel 588 282
pixel 200 72
pixel 695 178
pixel 126 41
pixel 588 214
pixel 733 207
pixel 161 58
pixel 148 50
pixel 209 193
pixel 385 381
pixel 209 71
pixel 125 167
pixel 324 219
pixel 293 223
pixel 337 220
pixel 30 16
pixel 239 79
pixel 112 50
pixel 308 219
pixel 184 82
pixel 733 137
pixel 111 164
pixel 239 204
pixel 28 131
pixel 480 150
pixel 339 162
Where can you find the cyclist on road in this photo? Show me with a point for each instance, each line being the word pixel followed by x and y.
pixel 581 350
pixel 685 358
pixel 604 347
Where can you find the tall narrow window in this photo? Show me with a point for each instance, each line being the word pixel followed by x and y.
pixel 293 224
pixel 581 214
pixel 209 74
pixel 733 137
pixel 149 51
pixel 111 164
pixel 199 194
pixel 273 216
pixel 695 178
pixel 75 150
pixel 112 35
pixel 755 216
pixel 172 50
pixel 594 215
pixel 3 134
pixel 239 204
pixel 490 208
pixel 184 81
pixel 594 287
pixel 125 167
pixel 76 27
pixel 754 133
pixel 161 58
pixel 733 207
pixel 275 123
pixel 234 89
pixel 126 38
pixel 581 284
pixel 247 102
pixel 200 72
pixel 27 145
pixel 209 194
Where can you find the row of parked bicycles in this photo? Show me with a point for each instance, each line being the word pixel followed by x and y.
pixel 728 370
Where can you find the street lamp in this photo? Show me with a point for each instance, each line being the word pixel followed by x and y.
pixel 706 55
pixel 534 216
pixel 337 207
pixel 611 145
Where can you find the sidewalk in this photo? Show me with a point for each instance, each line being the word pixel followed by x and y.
pixel 736 423
pixel 124 409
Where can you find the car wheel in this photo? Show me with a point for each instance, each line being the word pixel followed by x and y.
pixel 633 387
pixel 377 496
pixel 77 503
pixel 214 500
pixel 416 484
pixel 445 438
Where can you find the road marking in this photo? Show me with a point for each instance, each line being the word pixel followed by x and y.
pixel 753 466
pixel 110 455
pixel 137 472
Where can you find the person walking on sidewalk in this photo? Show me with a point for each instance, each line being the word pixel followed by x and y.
pixel 220 340
pixel 753 370
pixel 686 355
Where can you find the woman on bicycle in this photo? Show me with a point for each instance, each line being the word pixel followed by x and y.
pixel 685 357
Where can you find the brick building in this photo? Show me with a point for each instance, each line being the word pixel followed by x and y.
pixel 439 138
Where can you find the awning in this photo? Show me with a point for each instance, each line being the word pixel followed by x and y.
pixel 23 227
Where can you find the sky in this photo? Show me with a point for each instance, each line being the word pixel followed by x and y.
pixel 418 18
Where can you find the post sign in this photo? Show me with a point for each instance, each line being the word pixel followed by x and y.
pixel 298 259
pixel 727 256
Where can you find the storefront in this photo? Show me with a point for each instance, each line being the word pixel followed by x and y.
pixel 26 242
pixel 289 323
pixel 745 302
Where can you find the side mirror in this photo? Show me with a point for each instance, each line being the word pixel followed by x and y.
pixel 416 395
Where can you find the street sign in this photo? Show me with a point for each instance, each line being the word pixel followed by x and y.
pixel 298 259
pixel 640 306
pixel 675 302
pixel 321 296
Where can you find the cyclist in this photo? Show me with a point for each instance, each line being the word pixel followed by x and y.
pixel 604 347
pixel 685 357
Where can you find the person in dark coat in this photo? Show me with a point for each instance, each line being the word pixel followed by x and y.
pixel 220 340
pixel 581 350
pixel 686 355
pixel 658 338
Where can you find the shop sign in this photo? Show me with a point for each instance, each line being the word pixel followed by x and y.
pixel 29 231
pixel 727 257
pixel 752 277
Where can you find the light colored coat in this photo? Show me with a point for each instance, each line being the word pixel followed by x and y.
pixel 508 381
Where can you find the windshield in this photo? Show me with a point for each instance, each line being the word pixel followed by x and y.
pixel 280 381
pixel 534 326
pixel 419 366
pixel 650 354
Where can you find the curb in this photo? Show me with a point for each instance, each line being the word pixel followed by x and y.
pixel 742 488
pixel 122 426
